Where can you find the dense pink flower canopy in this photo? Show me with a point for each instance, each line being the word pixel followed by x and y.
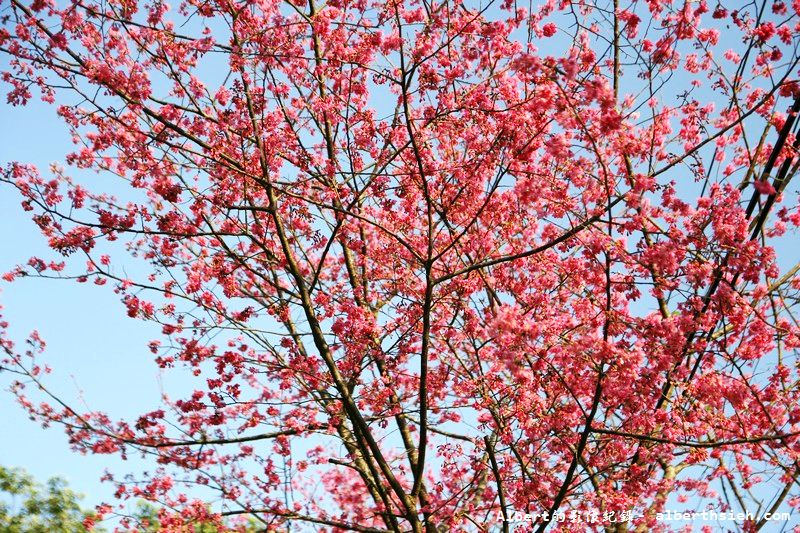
pixel 430 263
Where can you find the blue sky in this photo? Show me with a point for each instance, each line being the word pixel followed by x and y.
pixel 96 352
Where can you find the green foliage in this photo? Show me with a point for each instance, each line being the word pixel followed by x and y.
pixel 27 506
pixel 30 507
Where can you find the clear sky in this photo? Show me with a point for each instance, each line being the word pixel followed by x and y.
pixel 97 353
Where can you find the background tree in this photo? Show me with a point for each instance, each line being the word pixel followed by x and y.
pixel 28 507
pixel 431 262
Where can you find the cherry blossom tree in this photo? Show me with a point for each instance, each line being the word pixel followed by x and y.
pixel 430 264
